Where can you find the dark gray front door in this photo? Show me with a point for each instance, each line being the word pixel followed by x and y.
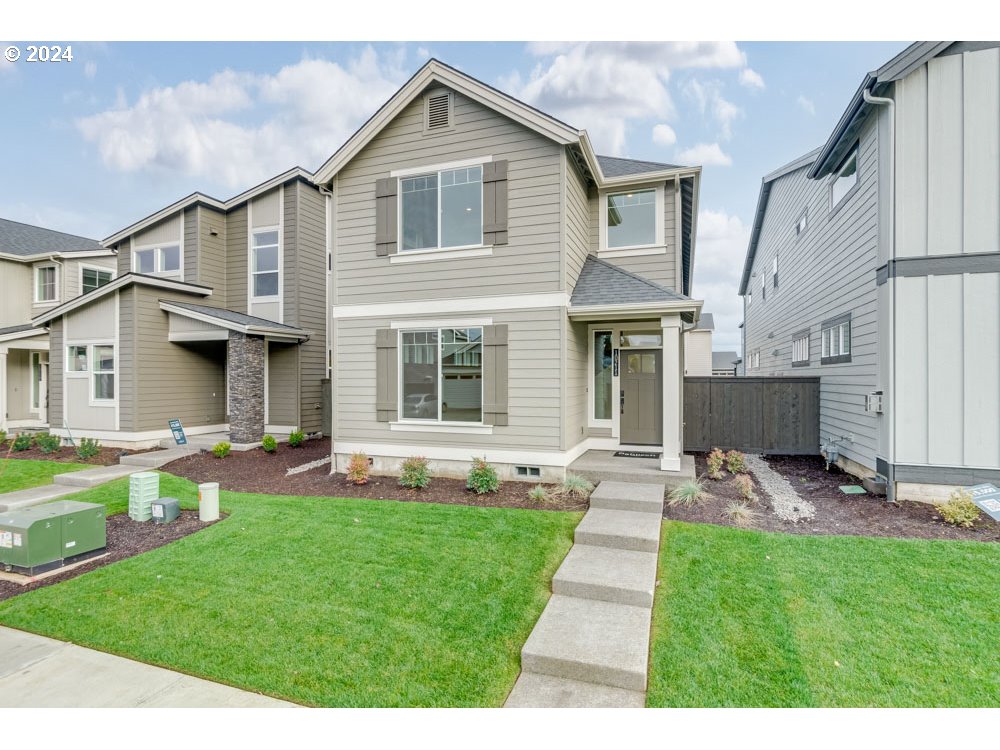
pixel 642 397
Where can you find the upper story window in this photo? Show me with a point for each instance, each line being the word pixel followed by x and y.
pixel 265 256
pixel 631 219
pixel 46 284
pixel 442 209
pixel 93 278
pixel 749 297
pixel 802 224
pixel 774 271
pixel 164 260
pixel 845 179
pixel 836 338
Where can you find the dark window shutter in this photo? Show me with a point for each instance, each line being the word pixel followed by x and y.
pixel 495 203
pixel 495 375
pixel 386 374
pixel 386 214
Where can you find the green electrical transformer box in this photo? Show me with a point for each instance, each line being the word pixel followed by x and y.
pixel 48 536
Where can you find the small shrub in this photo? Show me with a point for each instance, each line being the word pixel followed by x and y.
pixel 715 460
pixel 48 443
pixel 576 486
pixel 358 469
pixel 538 494
pixel 22 442
pixel 736 462
pixel 221 450
pixel 88 448
pixel 687 494
pixel 415 473
pixel 482 477
pixel 269 444
pixel 744 485
pixel 740 513
pixel 959 510
pixel 296 438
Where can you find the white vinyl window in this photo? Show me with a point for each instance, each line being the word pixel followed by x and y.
pixel 845 179
pixel 157 260
pixel 754 361
pixel 76 359
pixel 441 375
pixel 103 377
pixel 800 350
pixel 631 219
pixel 749 298
pixel 93 278
pixel 774 271
pixel 266 254
pixel 46 284
pixel 802 224
pixel 837 342
pixel 442 209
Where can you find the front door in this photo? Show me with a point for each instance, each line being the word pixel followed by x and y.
pixel 642 397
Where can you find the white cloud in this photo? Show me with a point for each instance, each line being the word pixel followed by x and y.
pixel 601 86
pixel 90 70
pixel 706 155
pixel 664 135
pixel 806 105
pixel 721 249
pixel 240 128
pixel 751 79
pixel 708 96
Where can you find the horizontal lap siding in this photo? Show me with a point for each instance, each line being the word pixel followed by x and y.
pixel 310 264
pixel 828 270
pixel 236 259
pixel 56 398
pixel 212 255
pixel 127 373
pixel 16 293
pixel 191 245
pixel 534 393
pixel 282 384
pixel 530 262
pixel 576 383
pixel 577 223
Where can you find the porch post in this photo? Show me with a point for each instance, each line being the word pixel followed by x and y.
pixel 3 388
pixel 246 387
pixel 673 367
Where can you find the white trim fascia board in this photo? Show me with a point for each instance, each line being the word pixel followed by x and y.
pixel 433 254
pixel 647 308
pixel 441 323
pixel 641 178
pixel 468 87
pixel 274 333
pixel 221 334
pixel 445 427
pixel 632 252
pixel 28 334
pixel 135 436
pixel 427 168
pixel 64 255
pixel 280 179
pixel 116 284
pixel 458 305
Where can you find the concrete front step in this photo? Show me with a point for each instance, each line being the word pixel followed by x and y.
pixel 34 496
pixel 545 691
pixel 97 475
pixel 590 641
pixel 620 529
pixel 641 498
pixel 608 575
pixel 156 459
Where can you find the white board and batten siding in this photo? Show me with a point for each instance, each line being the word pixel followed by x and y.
pixel 947 410
pixel 826 271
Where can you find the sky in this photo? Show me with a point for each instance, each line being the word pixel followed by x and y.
pixel 91 145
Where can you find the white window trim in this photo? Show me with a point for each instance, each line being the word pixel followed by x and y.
pixel 852 154
pixel 417 326
pixel 66 360
pixel 659 245
pixel 437 253
pixel 253 273
pixel 837 332
pixel 427 168
pixel 99 269
pixel 34 294
pixel 157 248
pixel 448 253
pixel 280 297
pixel 798 342
pixel 93 372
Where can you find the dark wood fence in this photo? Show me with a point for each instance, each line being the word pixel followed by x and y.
pixel 757 415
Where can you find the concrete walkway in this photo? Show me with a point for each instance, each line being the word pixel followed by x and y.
pixel 38 672
pixel 590 647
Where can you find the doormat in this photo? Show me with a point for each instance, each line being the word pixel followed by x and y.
pixel 636 454
pixel 852 489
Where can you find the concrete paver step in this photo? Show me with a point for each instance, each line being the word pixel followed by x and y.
pixel 641 498
pixel 620 529
pixel 97 475
pixel 591 641
pixel 34 496
pixel 609 575
pixel 545 691
pixel 156 459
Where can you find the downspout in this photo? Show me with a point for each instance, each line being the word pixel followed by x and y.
pixel 891 104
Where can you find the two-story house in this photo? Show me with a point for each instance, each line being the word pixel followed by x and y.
pixel 39 269
pixel 874 263
pixel 500 290
pixel 216 318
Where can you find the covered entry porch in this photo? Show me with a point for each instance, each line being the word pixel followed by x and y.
pixel 24 378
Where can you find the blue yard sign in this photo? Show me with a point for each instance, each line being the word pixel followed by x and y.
pixel 987 497
pixel 175 427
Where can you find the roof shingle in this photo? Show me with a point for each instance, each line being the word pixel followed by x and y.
pixel 614 166
pixel 601 283
pixel 24 239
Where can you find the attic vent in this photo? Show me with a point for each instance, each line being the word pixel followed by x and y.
pixel 439 110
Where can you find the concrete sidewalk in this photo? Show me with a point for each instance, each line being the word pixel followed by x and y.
pixel 38 672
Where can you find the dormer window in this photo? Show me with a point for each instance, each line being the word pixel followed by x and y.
pixel 438 110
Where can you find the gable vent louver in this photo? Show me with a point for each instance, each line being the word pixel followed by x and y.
pixel 438 110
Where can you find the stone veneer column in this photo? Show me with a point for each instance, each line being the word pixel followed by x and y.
pixel 246 387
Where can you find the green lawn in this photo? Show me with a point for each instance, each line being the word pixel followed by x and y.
pixel 20 474
pixel 745 618
pixel 322 601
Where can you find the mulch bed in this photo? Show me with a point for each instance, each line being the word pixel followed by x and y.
pixel 836 513
pixel 107 456
pixel 258 472
pixel 126 538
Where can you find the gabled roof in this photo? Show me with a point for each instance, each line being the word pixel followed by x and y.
pixel 614 166
pixel 232 320
pixel 26 241
pixel 25 331
pixel 758 218
pixel 602 284
pixel 724 360
pixel 706 322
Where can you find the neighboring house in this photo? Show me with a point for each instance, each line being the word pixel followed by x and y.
pixel 874 262
pixel 216 318
pixel 39 269
pixel 698 346
pixel 724 364
pixel 500 290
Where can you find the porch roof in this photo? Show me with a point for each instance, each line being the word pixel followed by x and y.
pixel 606 288
pixel 25 331
pixel 234 321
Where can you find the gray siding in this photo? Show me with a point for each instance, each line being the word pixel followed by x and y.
pixel 529 263
pixel 290 246
pixel 236 259
pixel 16 293
pixel 577 223
pixel 19 384
pixel 191 246
pixel 56 373
pixel 128 387
pixel 309 259
pixel 124 257
pixel 575 377
pixel 828 270
pixel 283 384
pixel 212 255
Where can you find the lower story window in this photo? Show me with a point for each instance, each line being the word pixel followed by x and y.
pixel 441 374
pixel 836 338
pixel 104 373
pixel 800 350
pixel 754 363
